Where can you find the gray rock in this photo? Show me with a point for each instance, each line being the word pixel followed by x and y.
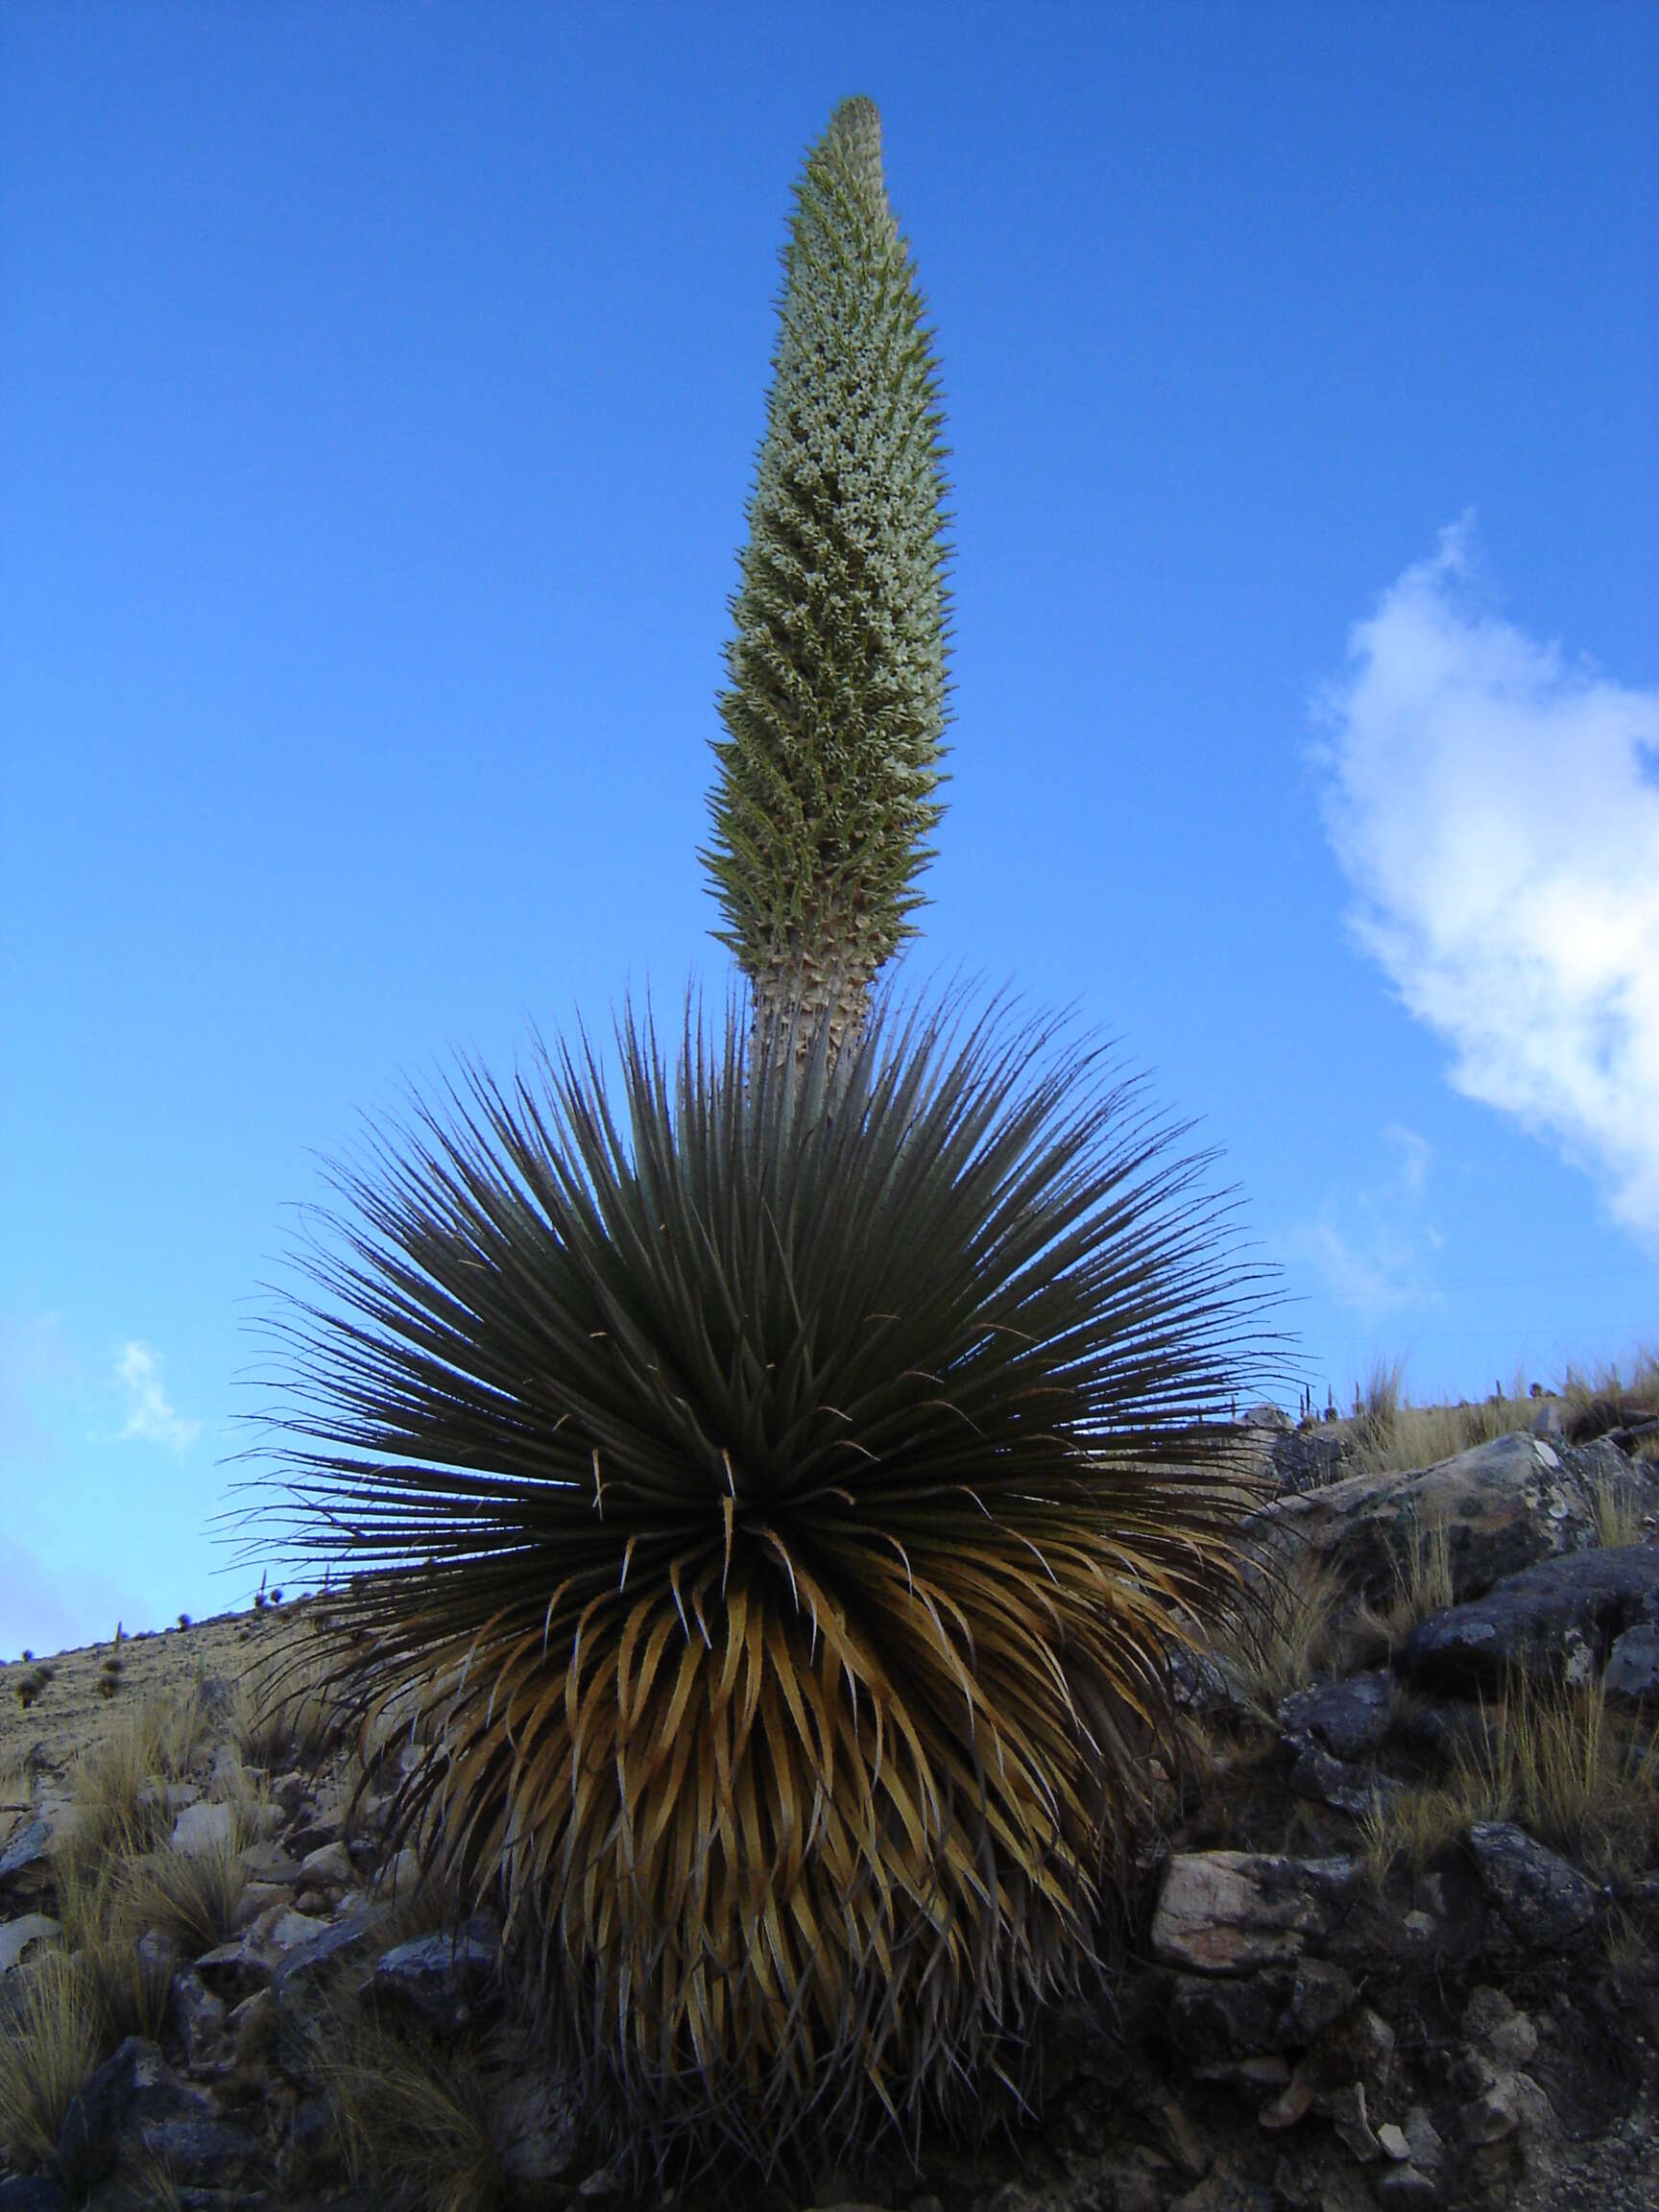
pixel 1506 1505
pixel 441 1977
pixel 18 1937
pixel 203 1828
pixel 197 2015
pixel 1406 2189
pixel 1633 1664
pixel 351 1932
pixel 131 2112
pixel 26 1851
pixel 1357 1791
pixel 1232 1911
pixel 1554 1622
pixel 1494 2024
pixel 1544 1901
pixel 1349 1719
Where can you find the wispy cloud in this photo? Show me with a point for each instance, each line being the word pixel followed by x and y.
pixel 1375 1246
pixel 150 1418
pixel 1497 812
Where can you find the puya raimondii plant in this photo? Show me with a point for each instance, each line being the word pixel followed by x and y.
pixel 771 1502
pixel 825 795
pixel 769 1490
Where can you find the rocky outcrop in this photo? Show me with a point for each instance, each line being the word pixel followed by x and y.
pixel 1504 1506
pixel 1559 1620
pixel 1295 2027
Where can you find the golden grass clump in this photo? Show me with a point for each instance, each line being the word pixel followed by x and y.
pixel 51 2034
pixel 1557 1761
pixel 412 2121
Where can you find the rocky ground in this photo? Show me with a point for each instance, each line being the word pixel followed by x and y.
pixel 1396 1946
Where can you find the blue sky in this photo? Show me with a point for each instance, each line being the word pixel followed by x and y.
pixel 380 390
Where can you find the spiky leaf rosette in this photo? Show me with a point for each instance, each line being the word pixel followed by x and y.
pixel 825 797
pixel 785 1493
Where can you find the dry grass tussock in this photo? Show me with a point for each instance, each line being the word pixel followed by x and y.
pixel 1392 1437
pixel 1282 1629
pixel 412 2121
pixel 283 1709
pixel 1579 1777
pixel 51 2034
pixel 1604 1400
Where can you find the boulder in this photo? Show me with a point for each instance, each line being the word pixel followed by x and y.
pixel 351 1932
pixel 1232 1911
pixel 1542 1901
pixel 1506 1505
pixel 1556 1622
pixel 1349 1719
pixel 441 1977
pixel 131 2112
pixel 1633 1664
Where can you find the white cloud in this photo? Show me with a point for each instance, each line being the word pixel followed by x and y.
pixel 1497 812
pixel 1375 1246
pixel 149 1416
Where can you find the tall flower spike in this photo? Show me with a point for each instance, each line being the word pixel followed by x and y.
pixel 826 792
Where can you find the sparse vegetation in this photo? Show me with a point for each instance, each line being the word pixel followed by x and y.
pixel 412 2120
pixel 1575 1775
pixel 1279 1630
pixel 51 2042
pixel 189 1895
pixel 1603 1403
pixel 1392 1437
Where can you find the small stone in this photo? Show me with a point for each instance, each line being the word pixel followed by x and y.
pixel 18 1937
pixel 1492 2021
pixel 1294 2103
pixel 1406 2189
pixel 1345 2110
pixel 329 1863
pixel 1391 2140
pixel 252 2026
pixel 1181 2140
